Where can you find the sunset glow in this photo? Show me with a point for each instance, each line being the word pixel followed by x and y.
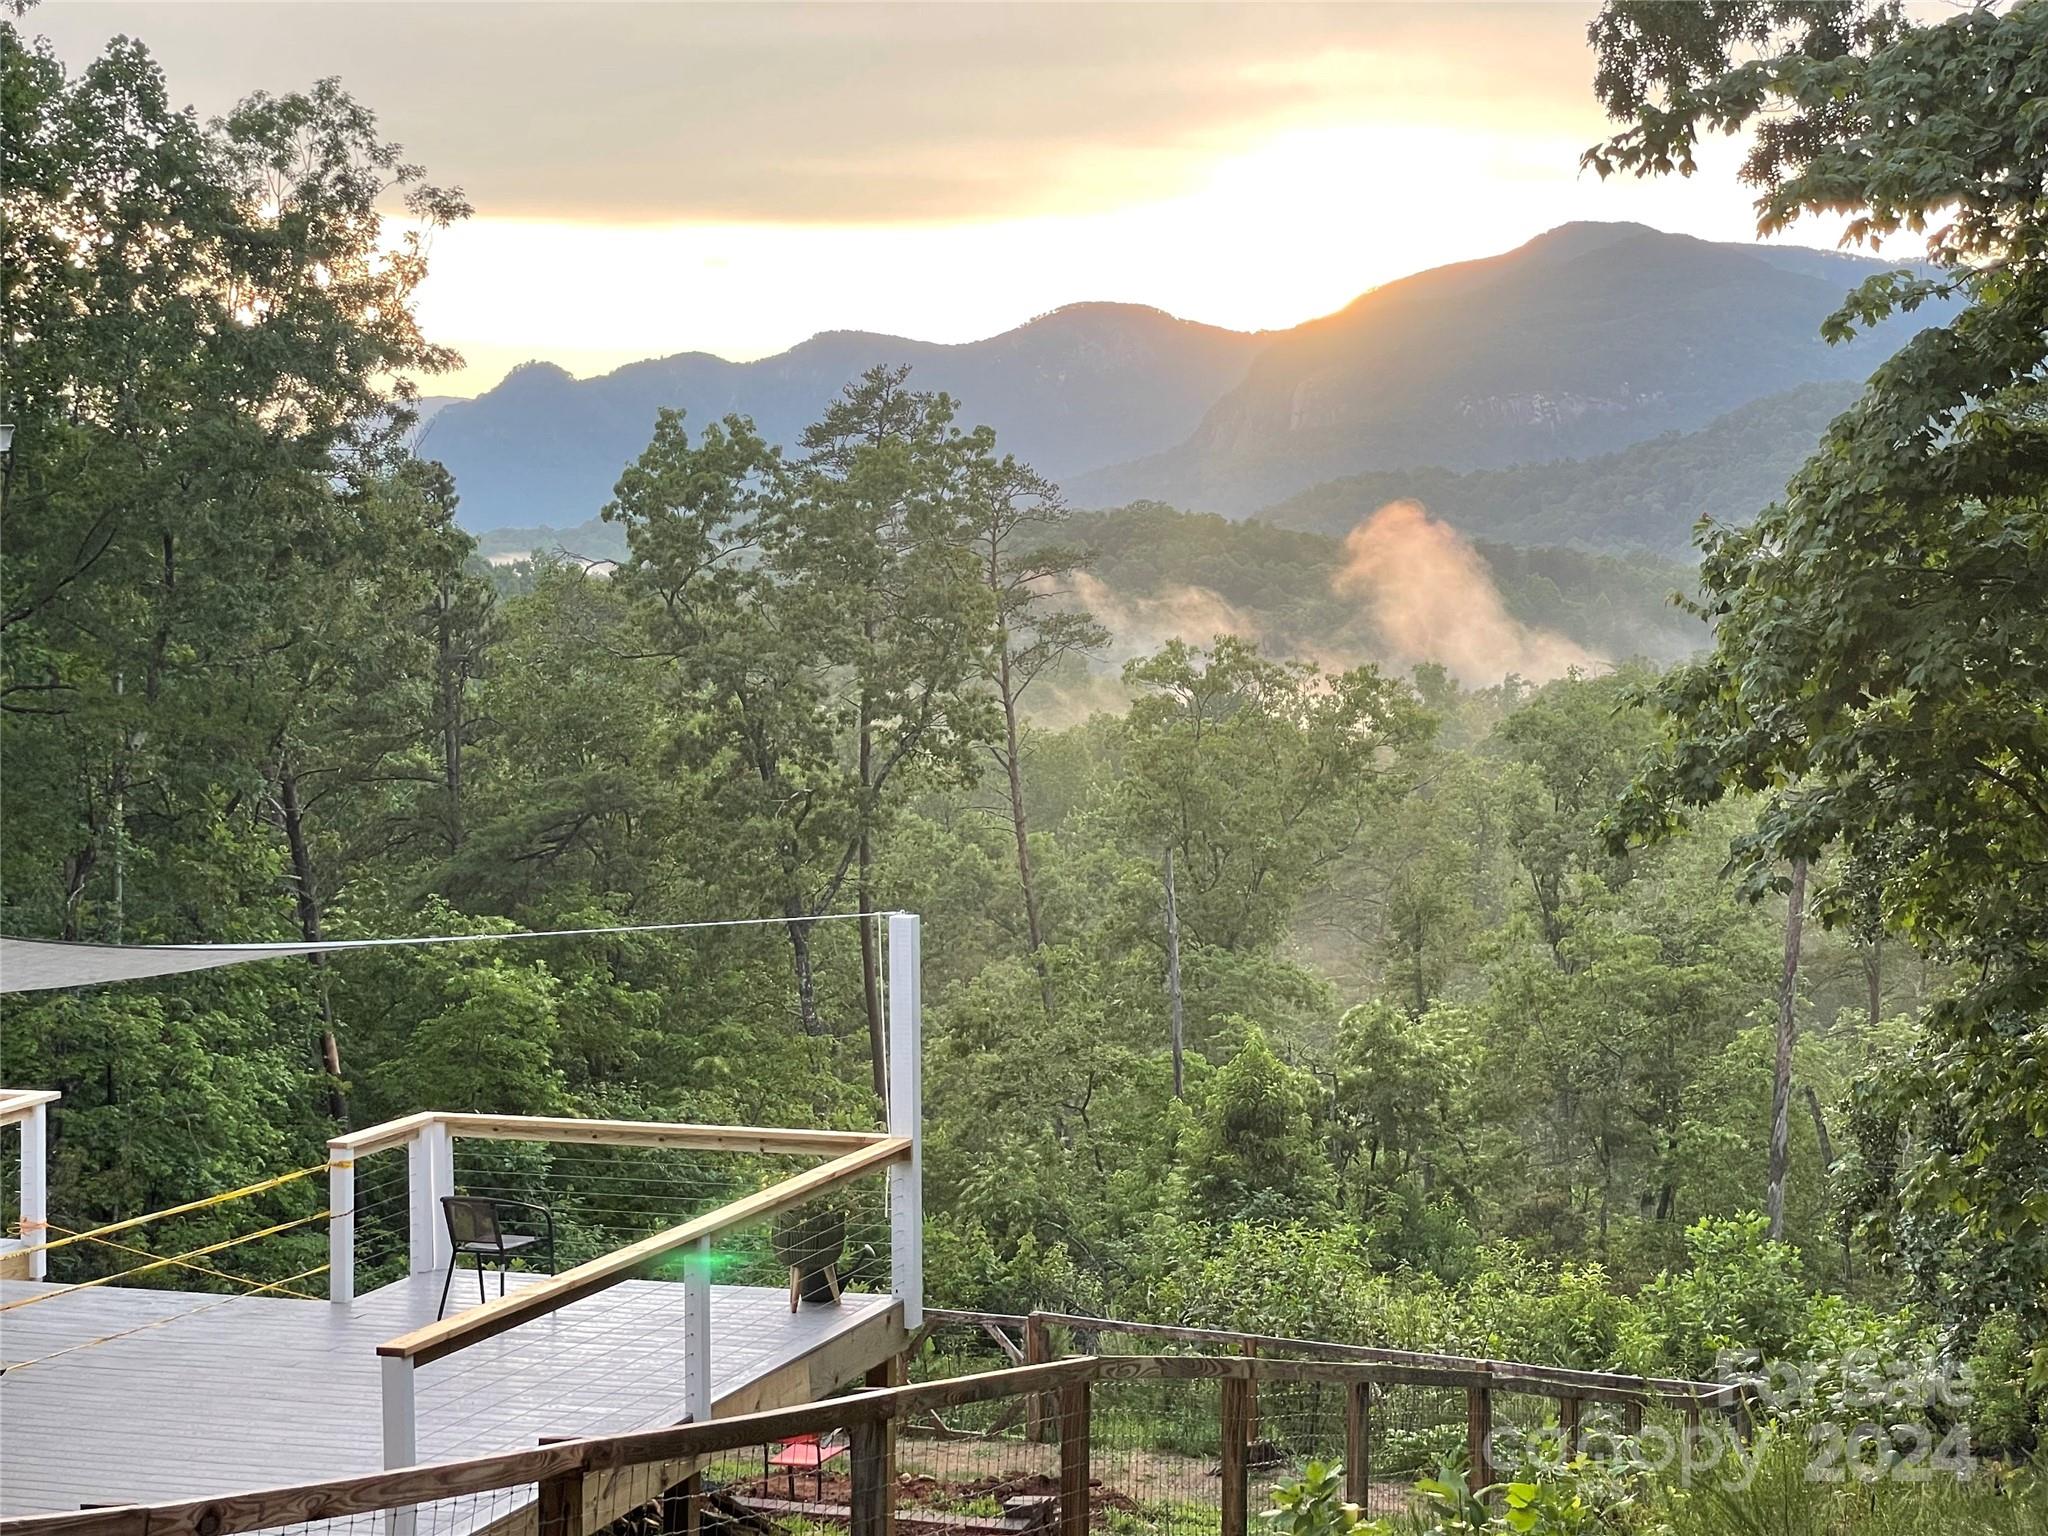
pixel 740 190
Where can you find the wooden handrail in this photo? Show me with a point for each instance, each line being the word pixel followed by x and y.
pixel 17 1103
pixel 975 1319
pixel 369 1492
pixel 656 1133
pixel 424 1345
pixel 618 1133
pixel 1539 1380
pixel 389 1133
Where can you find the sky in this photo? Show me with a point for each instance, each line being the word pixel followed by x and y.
pixel 731 178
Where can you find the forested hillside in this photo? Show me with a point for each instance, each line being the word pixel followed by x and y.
pixel 1648 497
pixel 1483 1049
pixel 1159 574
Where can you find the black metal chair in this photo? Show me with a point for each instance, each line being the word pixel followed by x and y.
pixel 474 1228
pixel 811 1241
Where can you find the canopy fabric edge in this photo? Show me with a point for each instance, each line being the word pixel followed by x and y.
pixel 47 965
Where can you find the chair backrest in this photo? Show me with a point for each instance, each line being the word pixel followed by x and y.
pixel 810 1237
pixel 472 1219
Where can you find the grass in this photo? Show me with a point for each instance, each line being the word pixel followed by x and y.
pixel 1783 1500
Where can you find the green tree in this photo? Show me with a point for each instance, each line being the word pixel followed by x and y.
pixel 756 716
pixel 1258 774
pixel 208 348
pixel 1576 741
pixel 1255 1151
pixel 1392 1091
pixel 875 560
pixel 1881 647
pixel 824 629
pixel 1016 513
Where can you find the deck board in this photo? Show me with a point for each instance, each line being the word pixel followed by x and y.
pixel 263 1391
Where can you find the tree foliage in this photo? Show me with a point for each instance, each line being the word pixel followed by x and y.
pixel 1878 671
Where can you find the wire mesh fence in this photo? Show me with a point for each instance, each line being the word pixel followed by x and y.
pixel 1414 1431
pixel 1177 1445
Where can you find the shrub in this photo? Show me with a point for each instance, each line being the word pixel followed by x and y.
pixel 1742 1293
pixel 2004 1412
pixel 1314 1505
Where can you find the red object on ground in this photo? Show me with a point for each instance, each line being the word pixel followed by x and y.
pixel 805 1453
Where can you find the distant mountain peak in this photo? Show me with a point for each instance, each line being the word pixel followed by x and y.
pixel 535 370
pixel 1592 234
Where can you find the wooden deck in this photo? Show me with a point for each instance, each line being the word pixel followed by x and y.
pixel 211 1394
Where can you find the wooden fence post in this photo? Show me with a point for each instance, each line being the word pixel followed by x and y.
pixel 1632 1417
pixel 682 1507
pixel 1251 1423
pixel 1358 1443
pixel 871 1455
pixel 1479 1437
pixel 1237 1414
pixel 1037 1351
pixel 561 1505
pixel 1569 1410
pixel 1073 1431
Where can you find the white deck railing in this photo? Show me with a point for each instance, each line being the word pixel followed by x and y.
pixel 429 1139
pixel 28 1110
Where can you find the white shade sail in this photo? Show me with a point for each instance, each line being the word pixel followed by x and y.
pixel 43 965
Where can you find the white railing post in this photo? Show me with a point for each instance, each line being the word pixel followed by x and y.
pixel 906 1113
pixel 419 1203
pixel 35 1188
pixel 697 1330
pixel 341 1226
pixel 441 1151
pixel 429 1174
pixel 401 1435
pixel 401 1423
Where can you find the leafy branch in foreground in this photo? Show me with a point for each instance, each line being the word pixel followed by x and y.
pixel 1881 656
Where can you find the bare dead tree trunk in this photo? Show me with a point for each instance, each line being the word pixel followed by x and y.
pixel 864 899
pixel 306 897
pixel 1820 1128
pixel 870 986
pixel 1827 1161
pixel 1173 1004
pixel 1781 1079
pixel 799 929
pixel 1034 931
pixel 451 721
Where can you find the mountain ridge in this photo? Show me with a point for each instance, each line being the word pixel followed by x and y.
pixel 1067 390
pixel 1581 342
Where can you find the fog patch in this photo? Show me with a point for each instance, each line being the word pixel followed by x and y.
pixel 1431 598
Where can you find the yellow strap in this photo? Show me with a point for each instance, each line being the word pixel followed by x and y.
pixel 200 1269
pixel 177 1210
pixel 108 1338
pixel 176 1258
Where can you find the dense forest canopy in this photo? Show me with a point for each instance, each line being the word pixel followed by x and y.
pixel 1482 1051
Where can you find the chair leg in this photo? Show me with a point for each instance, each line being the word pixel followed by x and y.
pixel 446 1282
pixel 481 1298
pixel 503 1265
